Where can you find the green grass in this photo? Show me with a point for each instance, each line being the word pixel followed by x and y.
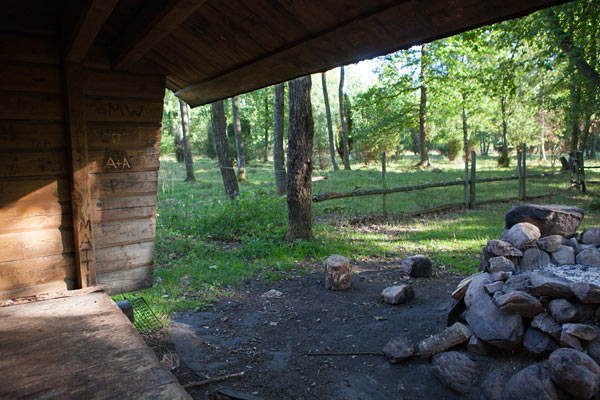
pixel 207 245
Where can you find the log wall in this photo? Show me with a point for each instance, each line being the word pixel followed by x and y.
pixel 123 114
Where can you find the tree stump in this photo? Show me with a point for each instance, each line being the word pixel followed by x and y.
pixel 337 272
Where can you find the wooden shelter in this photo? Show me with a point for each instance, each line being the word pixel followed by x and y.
pixel 82 86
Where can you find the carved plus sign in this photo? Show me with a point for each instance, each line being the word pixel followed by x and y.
pixel 119 163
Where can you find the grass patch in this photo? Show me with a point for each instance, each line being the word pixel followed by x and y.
pixel 207 245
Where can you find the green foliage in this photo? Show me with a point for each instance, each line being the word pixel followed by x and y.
pixel 454 147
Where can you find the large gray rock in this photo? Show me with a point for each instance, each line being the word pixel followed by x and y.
pixel 548 284
pixel 476 288
pixel 591 236
pixel 531 383
pixel 534 258
pixel 593 350
pixel 575 372
pixel 497 247
pixel 538 343
pixel 550 243
pixel 545 323
pixel 419 266
pixel 519 302
pixel 499 328
pixel 589 257
pixel 565 255
pixel 398 349
pixel 500 264
pixel 492 387
pixel 550 219
pixel 580 331
pixel 523 234
pixel 398 294
pixel 563 311
pixel 455 370
pixel 587 293
pixel 518 282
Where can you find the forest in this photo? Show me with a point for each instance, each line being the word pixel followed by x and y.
pixel 530 81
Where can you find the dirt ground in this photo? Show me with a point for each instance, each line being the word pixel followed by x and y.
pixel 281 343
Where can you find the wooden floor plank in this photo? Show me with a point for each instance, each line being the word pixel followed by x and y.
pixel 78 347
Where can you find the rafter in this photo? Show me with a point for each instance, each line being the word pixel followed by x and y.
pixel 91 18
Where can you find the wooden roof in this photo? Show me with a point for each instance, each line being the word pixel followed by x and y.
pixel 213 49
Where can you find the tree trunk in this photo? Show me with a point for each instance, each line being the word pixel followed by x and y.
pixel 278 132
pixel 504 154
pixel 343 120
pixel 178 141
pixel 465 128
pixel 543 140
pixel 594 143
pixel 573 118
pixel 329 124
pixel 266 159
pixel 225 163
pixel 185 131
pixel 423 110
pixel 239 140
pixel 300 161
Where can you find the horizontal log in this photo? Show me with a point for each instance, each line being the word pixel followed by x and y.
pixel 38 107
pixel 25 209
pixel 30 78
pixel 123 208
pixel 124 159
pixel 123 184
pixel 34 223
pixel 45 190
pixel 24 163
pixel 36 271
pixel 111 259
pixel 104 136
pixel 26 245
pixel 127 280
pixel 99 109
pixel 123 84
pixel 123 232
pixel 26 48
pixel 57 286
pixel 32 136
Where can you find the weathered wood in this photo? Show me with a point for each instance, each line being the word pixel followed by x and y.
pixel 118 258
pixel 124 159
pixel 20 274
pixel 90 18
pixel 25 245
pixel 78 347
pixel 123 208
pixel 127 280
pixel 29 106
pixel 28 48
pixel 14 164
pixel 383 182
pixel 32 136
pixel 123 84
pixel 50 296
pixel 123 232
pixel 123 184
pixel 27 209
pixel 34 78
pixel 99 109
pixel 52 287
pixel 32 223
pixel 115 136
pixel 81 201
pixel 152 25
pixel 473 179
pixel 44 190
pixel 450 337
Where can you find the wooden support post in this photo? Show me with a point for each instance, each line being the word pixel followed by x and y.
pixel 520 174
pixel 81 202
pixel 524 171
pixel 466 181
pixel 473 179
pixel 581 168
pixel 383 167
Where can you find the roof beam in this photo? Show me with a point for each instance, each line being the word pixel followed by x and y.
pixel 90 19
pixel 152 25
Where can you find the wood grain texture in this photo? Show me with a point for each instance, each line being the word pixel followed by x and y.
pixel 34 223
pixel 32 136
pixel 36 271
pixel 78 347
pixel 35 78
pixel 112 259
pixel 114 136
pixel 123 208
pixel 25 245
pixel 127 280
pixel 123 84
pixel 124 184
pixel 45 190
pixel 110 234
pixel 29 106
pixel 124 160
pixel 100 109
pixel 24 163
pixel 56 286
pixel 28 48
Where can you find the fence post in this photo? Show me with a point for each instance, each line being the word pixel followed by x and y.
pixel 520 174
pixel 466 180
pixel 473 177
pixel 383 181
pixel 524 174
pixel 581 170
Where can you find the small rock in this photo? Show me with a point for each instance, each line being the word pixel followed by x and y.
pixel 398 294
pixel 523 234
pixel 521 303
pixel 593 350
pixel 565 255
pixel 419 266
pixel 500 276
pixel 337 272
pixel 589 256
pixel 580 331
pixel 563 311
pixel 545 323
pixel 587 293
pixel 591 236
pixel 534 258
pixel 478 346
pixel 398 349
pixel 272 294
pixel 492 388
pixel 455 370
pixel 550 219
pixel 454 335
pixel 520 282
pixel 538 343
pixel 567 340
pixel 531 383
pixel 575 372
pixel 500 264
pixel 492 288
pixel 550 243
pixel 548 284
pixel 502 248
